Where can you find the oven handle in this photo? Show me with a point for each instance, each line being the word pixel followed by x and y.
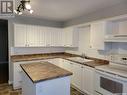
pixel 115 76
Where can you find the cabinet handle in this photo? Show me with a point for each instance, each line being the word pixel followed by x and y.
pixel 82 67
pixel 71 63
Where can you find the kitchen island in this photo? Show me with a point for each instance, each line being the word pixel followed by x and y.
pixel 44 78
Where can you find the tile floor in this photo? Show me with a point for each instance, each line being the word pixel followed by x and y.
pixel 5 89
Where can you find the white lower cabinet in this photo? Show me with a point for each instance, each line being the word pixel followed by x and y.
pixel 88 80
pixel 82 78
pixel 77 75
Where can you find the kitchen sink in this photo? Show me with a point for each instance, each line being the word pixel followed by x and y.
pixel 79 59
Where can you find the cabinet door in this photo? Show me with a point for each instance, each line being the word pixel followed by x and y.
pixel 63 38
pixel 77 75
pixel 48 36
pixel 32 35
pixel 58 36
pixel 71 37
pixel 67 65
pixel 88 80
pixel 43 36
pixel 19 35
pixel 54 35
pixel 68 34
pixel 60 39
pixel 97 35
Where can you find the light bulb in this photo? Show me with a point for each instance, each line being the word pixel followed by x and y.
pixel 15 11
pixel 31 11
pixel 20 13
pixel 27 5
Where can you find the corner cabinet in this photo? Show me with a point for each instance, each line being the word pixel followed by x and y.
pixel 97 34
pixel 39 36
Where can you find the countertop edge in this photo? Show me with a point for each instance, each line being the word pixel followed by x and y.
pixel 46 79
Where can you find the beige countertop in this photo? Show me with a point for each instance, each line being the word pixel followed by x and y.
pixel 38 72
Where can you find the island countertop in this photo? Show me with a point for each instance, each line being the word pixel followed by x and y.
pixel 43 71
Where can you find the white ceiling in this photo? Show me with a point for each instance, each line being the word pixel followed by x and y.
pixel 63 10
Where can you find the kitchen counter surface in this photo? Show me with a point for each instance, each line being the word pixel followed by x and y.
pixel 94 63
pixel 31 57
pixel 38 72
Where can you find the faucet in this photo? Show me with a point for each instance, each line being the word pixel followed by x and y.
pixel 83 55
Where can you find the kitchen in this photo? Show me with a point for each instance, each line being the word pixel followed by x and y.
pixel 84 56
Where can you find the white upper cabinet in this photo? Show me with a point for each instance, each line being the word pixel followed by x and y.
pixel 39 36
pixel 20 35
pixel 42 36
pixel 48 35
pixel 56 37
pixel 32 36
pixel 97 35
pixel 70 37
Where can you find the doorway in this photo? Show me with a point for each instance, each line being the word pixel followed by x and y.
pixel 3 51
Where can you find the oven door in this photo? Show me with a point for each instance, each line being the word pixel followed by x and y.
pixel 109 84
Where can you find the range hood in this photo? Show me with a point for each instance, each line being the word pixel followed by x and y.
pixel 116 38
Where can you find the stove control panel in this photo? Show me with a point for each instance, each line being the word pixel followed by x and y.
pixel 124 60
pixel 119 58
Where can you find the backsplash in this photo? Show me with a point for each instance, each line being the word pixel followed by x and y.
pixel 34 50
pixel 37 50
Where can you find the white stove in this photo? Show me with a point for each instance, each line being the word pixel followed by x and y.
pixel 112 79
pixel 112 68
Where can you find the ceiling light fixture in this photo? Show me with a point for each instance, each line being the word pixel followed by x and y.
pixel 24 5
